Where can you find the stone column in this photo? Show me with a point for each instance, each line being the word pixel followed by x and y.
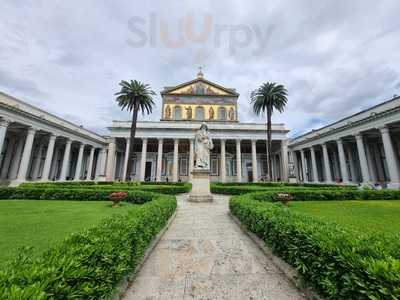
pixel 254 160
pixel 284 161
pixel 342 162
pixel 175 161
pixel 11 148
pixel 16 159
pixel 159 159
pixel 390 158
pixel 102 162
pixel 304 165
pixel 238 162
pixel 191 158
pixel 363 159
pixel 65 164
pixel 314 165
pixel 26 155
pixel 223 161
pixel 3 130
pixel 78 168
pixel 143 160
pixel 90 167
pixel 36 162
pixel 351 162
pixel 128 142
pixel 110 171
pixel 327 166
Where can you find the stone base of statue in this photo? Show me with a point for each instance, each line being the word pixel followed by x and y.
pixel 200 187
pixel 292 180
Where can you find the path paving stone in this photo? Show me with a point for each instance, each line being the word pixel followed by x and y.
pixel 205 255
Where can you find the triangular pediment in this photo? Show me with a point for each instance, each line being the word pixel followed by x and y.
pixel 199 87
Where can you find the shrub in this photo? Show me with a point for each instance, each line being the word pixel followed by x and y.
pixel 135 196
pixel 171 189
pixel 338 263
pixel 240 188
pixel 89 264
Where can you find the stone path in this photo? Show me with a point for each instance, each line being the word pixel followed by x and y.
pixel 205 255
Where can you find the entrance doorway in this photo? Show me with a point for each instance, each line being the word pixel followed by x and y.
pixel 147 172
pixel 249 169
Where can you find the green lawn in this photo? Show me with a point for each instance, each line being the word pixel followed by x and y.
pixel 381 217
pixel 43 223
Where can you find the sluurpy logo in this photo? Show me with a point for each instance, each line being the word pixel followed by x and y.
pixel 158 31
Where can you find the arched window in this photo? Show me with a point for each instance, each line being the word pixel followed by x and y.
pixel 222 114
pixel 177 113
pixel 199 113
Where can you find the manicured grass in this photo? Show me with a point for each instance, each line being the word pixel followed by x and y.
pixel 380 217
pixel 43 223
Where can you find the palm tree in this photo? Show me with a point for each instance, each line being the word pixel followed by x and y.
pixel 265 99
pixel 134 96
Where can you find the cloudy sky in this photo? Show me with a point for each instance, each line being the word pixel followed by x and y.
pixel 334 57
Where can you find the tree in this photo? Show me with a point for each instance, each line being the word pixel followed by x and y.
pixel 265 99
pixel 134 96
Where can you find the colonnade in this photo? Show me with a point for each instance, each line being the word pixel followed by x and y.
pixel 348 159
pixel 21 161
pixel 175 158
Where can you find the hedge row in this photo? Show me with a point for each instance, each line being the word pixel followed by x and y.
pixel 137 197
pixel 338 263
pixel 90 264
pixel 240 190
pixel 172 189
pixel 326 195
pixel 284 184
pixel 99 183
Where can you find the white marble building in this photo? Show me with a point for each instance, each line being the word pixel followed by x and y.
pixel 164 149
pixel 38 146
pixel 362 148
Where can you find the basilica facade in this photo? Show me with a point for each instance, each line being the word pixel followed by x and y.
pixel 38 146
pixel 35 145
pixel 164 149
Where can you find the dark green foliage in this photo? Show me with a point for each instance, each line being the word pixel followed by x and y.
pixel 340 264
pixel 243 188
pixel 74 191
pixel 89 264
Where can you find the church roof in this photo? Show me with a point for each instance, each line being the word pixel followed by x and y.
pixel 214 89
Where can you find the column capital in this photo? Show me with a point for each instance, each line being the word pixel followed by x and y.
pixel 32 130
pixel 384 129
pixel 358 135
pixel 254 140
pixel 82 145
pixel 339 141
pixel 144 140
pixel 302 151
pixel 176 140
pixel 160 140
pixel 238 141
pixel 53 136
pixel 5 122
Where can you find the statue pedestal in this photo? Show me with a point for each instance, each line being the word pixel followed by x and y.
pixel 200 187
pixel 292 180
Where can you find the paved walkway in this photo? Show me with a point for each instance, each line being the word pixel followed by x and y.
pixel 205 255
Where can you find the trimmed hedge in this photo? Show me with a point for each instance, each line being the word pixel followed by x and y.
pixel 240 189
pixel 89 264
pixel 171 189
pixel 338 263
pixel 327 195
pixel 137 197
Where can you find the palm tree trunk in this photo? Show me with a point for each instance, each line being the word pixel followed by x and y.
pixel 132 138
pixel 269 143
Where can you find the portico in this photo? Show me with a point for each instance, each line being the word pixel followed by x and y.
pixel 36 145
pixel 363 148
pixel 163 151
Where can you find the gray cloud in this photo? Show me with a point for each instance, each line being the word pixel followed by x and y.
pixel 334 57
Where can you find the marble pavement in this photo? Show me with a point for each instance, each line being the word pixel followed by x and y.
pixel 205 255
